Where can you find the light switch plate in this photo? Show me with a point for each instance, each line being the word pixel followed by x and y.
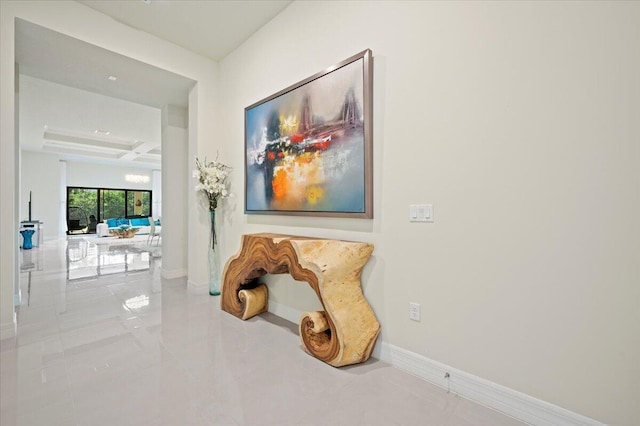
pixel 421 212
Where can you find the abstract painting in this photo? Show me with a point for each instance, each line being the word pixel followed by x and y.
pixel 308 147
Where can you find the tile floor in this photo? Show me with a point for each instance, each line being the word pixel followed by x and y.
pixel 126 347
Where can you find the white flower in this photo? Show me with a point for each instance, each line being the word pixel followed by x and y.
pixel 212 180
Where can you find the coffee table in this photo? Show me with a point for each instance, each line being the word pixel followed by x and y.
pixel 124 232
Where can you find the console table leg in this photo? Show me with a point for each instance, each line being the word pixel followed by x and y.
pixel 255 301
pixel 315 333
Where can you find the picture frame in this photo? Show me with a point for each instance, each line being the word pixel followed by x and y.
pixel 308 148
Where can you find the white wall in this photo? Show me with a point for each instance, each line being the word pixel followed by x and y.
pixel 156 179
pixel 106 176
pixel 519 122
pixel 9 176
pixel 174 162
pixel 40 175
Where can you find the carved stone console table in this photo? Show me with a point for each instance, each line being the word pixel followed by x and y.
pixel 345 332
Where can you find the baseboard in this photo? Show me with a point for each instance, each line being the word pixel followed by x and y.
pixel 171 274
pixel 197 288
pixel 9 329
pixel 508 401
pixel 484 392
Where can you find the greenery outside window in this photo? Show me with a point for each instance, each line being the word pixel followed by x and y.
pixel 88 206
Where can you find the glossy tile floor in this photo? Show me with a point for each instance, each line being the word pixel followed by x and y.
pixel 130 348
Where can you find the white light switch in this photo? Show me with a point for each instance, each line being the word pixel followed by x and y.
pixel 421 212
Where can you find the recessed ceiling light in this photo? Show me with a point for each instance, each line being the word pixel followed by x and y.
pixel 112 78
pixel 102 132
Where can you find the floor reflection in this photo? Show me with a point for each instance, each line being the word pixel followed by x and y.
pixel 87 259
pixel 63 274
pixel 31 260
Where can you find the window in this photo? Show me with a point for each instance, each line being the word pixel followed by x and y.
pixel 139 203
pixel 82 210
pixel 111 203
pixel 88 206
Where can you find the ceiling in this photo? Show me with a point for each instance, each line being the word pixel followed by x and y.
pixel 52 56
pixel 210 28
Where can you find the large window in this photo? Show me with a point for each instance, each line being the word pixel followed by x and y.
pixel 81 210
pixel 88 206
pixel 111 203
pixel 139 202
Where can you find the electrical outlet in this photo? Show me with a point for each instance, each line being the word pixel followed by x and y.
pixel 414 311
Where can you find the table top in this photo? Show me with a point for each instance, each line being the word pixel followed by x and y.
pixel 124 233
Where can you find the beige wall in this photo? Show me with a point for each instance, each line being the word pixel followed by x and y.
pixel 519 122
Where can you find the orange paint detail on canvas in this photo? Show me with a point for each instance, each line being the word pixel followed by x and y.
pixel 280 184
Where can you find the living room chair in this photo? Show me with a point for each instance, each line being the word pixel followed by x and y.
pixel 153 232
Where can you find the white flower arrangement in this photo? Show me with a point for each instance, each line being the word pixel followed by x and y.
pixel 212 180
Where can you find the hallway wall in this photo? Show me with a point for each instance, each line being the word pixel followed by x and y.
pixel 519 122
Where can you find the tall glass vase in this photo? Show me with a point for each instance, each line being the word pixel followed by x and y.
pixel 215 273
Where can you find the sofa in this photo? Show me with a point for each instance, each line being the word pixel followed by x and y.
pixel 103 229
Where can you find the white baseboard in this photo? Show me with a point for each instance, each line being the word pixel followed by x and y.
pixel 9 329
pixel 484 392
pixel 197 288
pixel 171 274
